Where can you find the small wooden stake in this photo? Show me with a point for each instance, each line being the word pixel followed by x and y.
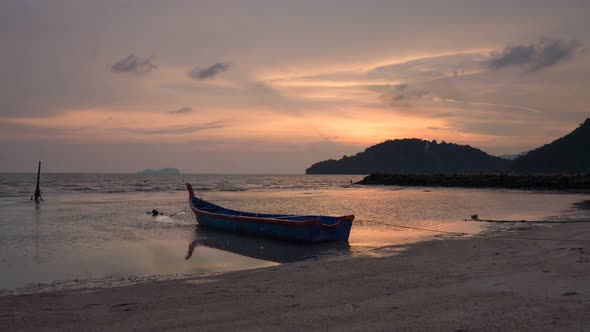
pixel 38 197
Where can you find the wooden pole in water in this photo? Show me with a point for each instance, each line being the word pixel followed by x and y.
pixel 37 190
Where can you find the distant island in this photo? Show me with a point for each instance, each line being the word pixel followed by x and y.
pixel 569 154
pixel 166 171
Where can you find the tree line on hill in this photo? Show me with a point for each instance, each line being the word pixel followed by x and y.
pixel 569 154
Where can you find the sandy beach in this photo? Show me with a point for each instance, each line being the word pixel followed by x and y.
pixel 448 285
pixel 295 165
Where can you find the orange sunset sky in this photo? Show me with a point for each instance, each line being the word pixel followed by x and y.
pixel 273 86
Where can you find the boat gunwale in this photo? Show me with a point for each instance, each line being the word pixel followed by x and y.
pixel 308 222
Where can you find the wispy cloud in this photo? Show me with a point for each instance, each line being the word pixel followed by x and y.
pixel 180 130
pixel 402 95
pixel 545 53
pixel 182 110
pixel 209 72
pixel 507 106
pixel 430 68
pixel 16 126
pixel 134 64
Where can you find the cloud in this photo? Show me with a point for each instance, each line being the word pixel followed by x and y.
pixel 33 129
pixel 429 68
pixel 545 53
pixel 182 110
pixel 134 64
pixel 181 130
pixel 497 127
pixel 14 128
pixel 402 95
pixel 209 72
pixel 268 96
pixel 426 79
pixel 402 92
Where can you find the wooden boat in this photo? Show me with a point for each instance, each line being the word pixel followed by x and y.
pixel 309 229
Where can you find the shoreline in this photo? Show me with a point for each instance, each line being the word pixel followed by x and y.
pixel 477 283
pixel 321 252
pixel 557 182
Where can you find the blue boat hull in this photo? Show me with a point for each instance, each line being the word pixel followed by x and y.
pixel 311 233
pixel 309 229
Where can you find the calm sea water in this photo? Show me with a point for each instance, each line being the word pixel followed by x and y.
pixel 93 230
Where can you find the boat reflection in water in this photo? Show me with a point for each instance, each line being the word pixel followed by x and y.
pixel 263 248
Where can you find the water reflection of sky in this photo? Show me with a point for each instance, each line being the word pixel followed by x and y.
pixel 94 236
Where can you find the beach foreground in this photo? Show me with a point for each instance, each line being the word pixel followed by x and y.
pixel 449 285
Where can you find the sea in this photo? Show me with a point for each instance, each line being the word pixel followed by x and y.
pixel 95 230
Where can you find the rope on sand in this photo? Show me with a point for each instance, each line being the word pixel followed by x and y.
pixel 175 213
pixel 476 218
pixel 483 235
pixel 421 229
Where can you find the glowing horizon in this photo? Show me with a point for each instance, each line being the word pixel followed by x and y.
pixel 264 92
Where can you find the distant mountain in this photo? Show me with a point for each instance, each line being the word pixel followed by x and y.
pixel 172 171
pixel 413 156
pixel 570 153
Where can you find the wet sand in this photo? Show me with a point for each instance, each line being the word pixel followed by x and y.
pixel 448 285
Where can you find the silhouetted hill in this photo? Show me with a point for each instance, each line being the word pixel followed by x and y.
pixel 413 156
pixel 570 153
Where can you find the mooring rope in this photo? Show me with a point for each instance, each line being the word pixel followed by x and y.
pixel 482 235
pixel 421 229
pixel 475 218
pixel 175 213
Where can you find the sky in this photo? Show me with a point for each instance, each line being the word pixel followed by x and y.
pixel 252 86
